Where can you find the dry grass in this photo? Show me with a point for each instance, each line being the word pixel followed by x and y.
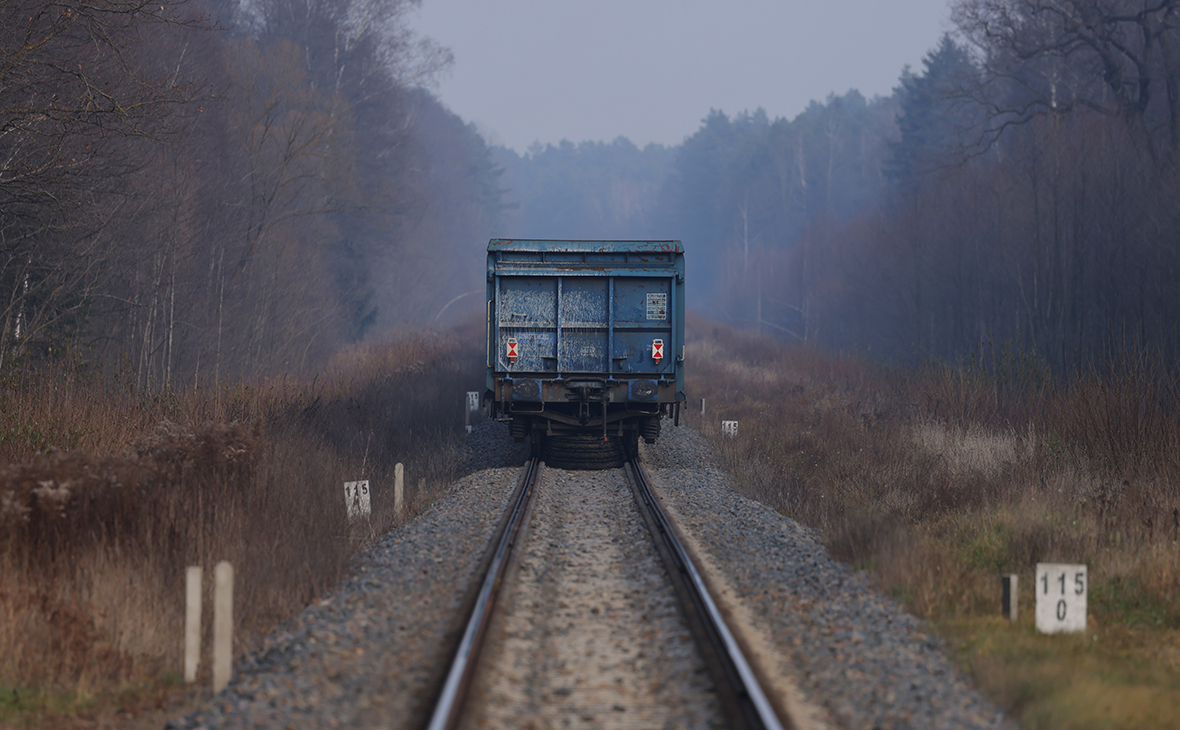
pixel 939 480
pixel 107 493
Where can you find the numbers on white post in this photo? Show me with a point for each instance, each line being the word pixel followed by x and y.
pixel 356 499
pixel 1061 597
pixel 729 428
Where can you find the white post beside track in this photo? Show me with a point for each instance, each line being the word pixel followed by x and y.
pixel 399 488
pixel 223 624
pixel 1009 594
pixel 472 408
pixel 192 622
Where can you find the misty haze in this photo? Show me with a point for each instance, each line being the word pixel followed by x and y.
pixel 916 267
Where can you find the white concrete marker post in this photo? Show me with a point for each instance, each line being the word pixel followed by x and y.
pixel 472 408
pixel 1008 595
pixel 223 624
pixel 729 428
pixel 192 622
pixel 1061 597
pixel 399 488
pixel 702 406
pixel 357 499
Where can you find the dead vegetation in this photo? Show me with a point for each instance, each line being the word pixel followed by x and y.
pixel 108 492
pixel 940 479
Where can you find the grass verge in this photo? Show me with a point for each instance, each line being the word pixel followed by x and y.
pixel 938 480
pixel 107 493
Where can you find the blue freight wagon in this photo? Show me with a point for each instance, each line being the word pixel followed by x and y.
pixel 585 344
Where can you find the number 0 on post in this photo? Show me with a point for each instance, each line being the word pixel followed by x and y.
pixel 1061 597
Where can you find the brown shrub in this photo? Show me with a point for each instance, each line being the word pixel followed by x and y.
pixel 949 476
pixel 106 494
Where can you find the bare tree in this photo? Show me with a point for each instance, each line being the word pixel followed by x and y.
pixel 70 79
pixel 1042 57
pixel 77 97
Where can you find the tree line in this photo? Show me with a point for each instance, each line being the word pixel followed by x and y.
pixel 1016 192
pixel 205 189
pixel 196 190
pixel 1031 199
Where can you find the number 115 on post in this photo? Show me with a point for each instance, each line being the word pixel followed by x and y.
pixel 1061 597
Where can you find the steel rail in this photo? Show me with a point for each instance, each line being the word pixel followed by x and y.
pixel 449 704
pixel 753 709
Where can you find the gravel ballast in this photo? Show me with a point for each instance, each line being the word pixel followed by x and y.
pixel 853 653
pixel 588 631
pixel 370 653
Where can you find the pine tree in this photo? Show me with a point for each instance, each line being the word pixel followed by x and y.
pixel 935 114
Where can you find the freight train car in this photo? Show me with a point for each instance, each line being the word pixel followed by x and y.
pixel 585 344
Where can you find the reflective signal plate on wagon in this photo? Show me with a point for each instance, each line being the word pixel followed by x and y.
pixel 657 350
pixel 513 350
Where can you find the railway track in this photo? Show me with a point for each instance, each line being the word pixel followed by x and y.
pixel 562 647
pixel 589 612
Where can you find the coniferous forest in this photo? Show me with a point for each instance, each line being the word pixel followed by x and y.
pixel 1013 194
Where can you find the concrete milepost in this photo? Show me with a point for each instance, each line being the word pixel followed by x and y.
pixel 472 408
pixel 192 622
pixel 223 624
pixel 1009 595
pixel 1061 597
pixel 356 498
pixel 399 488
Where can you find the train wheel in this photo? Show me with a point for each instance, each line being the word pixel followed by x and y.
pixel 584 451
pixel 518 428
pixel 631 444
pixel 650 428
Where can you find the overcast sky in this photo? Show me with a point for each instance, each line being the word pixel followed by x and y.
pixel 650 70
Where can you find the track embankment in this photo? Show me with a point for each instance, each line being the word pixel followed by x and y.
pixel 374 652
pixel 371 653
pixel 842 653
